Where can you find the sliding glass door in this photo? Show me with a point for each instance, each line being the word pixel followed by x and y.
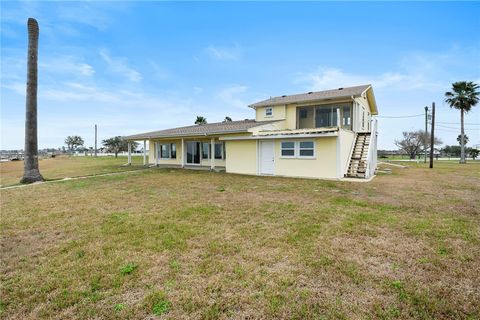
pixel 193 152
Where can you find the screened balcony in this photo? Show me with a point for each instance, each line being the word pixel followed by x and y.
pixel 324 116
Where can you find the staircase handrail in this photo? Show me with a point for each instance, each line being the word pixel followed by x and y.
pixel 371 148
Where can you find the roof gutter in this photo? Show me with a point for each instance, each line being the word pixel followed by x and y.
pixel 140 137
pixel 281 136
pixel 299 102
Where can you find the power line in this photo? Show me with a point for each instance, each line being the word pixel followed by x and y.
pixel 412 116
pixel 467 123
pixel 457 128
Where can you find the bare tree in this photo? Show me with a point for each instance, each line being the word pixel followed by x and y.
pixel 31 173
pixel 413 142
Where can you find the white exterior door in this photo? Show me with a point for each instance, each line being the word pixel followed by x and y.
pixel 267 157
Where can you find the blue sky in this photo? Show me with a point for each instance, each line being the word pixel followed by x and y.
pixel 138 66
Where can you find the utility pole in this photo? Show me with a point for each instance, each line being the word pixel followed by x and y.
pixel 432 135
pixel 425 142
pixel 95 140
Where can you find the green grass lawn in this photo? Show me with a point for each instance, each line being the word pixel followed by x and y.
pixel 175 244
pixel 64 166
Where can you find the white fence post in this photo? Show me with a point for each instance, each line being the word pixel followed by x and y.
pixel 129 152
pixel 144 152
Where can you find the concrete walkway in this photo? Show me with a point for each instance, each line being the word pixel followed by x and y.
pixel 69 179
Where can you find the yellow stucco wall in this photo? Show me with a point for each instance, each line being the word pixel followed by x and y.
pixel 241 156
pixel 347 138
pixel 278 113
pixel 291 113
pixel 324 165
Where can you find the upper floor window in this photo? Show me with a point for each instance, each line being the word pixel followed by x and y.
pixel 268 112
pixel 346 117
pixel 327 115
pixel 303 113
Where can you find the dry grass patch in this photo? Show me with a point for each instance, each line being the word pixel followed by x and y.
pixel 190 244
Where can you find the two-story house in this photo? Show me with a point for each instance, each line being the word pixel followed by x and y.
pixel 328 134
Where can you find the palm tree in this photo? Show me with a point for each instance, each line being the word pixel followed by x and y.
pixel 465 139
pixel 30 171
pixel 464 96
pixel 201 120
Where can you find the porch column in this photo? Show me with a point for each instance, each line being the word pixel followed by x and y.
pixel 156 153
pixel 212 154
pixel 129 153
pixel 183 153
pixel 339 121
pixel 144 152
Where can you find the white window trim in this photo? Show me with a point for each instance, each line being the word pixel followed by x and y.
pixel 173 144
pixel 294 150
pixel 266 112
pixel 169 149
pixel 209 152
pixel 297 150
pixel 313 148
pixel 223 151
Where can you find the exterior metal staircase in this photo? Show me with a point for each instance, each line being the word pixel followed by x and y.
pixel 359 159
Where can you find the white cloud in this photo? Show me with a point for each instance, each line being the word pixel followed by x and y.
pixel 119 65
pixel 229 96
pixel 226 53
pixel 328 78
pixel 17 87
pixel 67 65
pixel 415 71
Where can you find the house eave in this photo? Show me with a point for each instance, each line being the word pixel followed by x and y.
pixel 282 136
pixel 299 102
pixel 213 133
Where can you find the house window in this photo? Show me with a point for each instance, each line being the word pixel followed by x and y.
pixel 306 149
pixel 297 149
pixel 288 149
pixel 325 116
pixel 346 117
pixel 173 151
pixel 268 112
pixel 205 150
pixel 219 154
pixel 303 113
pixel 165 151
